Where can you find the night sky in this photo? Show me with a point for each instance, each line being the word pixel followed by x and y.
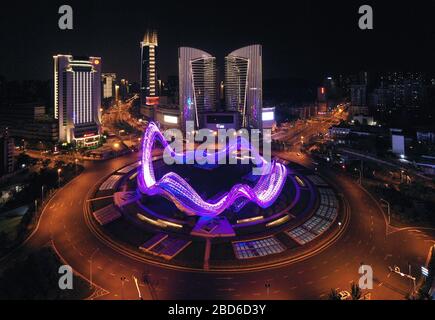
pixel 308 39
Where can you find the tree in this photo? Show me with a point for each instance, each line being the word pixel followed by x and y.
pixel 4 240
pixel 355 291
pixel 333 295
pixel 36 278
pixel 423 294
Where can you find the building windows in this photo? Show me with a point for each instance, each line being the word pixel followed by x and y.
pixel 78 96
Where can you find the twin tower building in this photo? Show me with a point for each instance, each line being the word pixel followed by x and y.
pixel 198 88
pixel 243 85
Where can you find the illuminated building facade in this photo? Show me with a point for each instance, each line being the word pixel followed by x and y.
pixel 244 85
pixel 77 98
pixel 197 84
pixel 148 72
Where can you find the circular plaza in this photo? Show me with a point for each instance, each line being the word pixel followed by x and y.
pixel 215 217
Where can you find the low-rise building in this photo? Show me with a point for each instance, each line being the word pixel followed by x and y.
pixel 426 135
pixel 30 122
pixel 340 130
pixel 44 131
pixel 364 120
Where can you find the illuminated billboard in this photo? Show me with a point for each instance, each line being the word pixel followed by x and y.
pixel 170 119
pixel 268 116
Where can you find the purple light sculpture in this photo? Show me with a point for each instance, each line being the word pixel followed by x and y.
pixel 178 190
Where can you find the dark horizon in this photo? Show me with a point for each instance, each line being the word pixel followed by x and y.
pixel 308 40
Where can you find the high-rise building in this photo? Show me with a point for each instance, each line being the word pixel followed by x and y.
pixel 407 88
pixel 6 153
pixel 148 72
pixel 321 94
pixel 381 98
pixel 358 95
pixel 197 84
pixel 124 89
pixel 77 98
pixel 244 85
pixel 171 89
pixel 109 81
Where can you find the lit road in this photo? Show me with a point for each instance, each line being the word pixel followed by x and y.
pixel 302 132
pixel 365 241
pixel 120 112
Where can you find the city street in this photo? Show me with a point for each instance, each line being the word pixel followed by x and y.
pixel 365 242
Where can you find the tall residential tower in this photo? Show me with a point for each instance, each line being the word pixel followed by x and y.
pixel 148 72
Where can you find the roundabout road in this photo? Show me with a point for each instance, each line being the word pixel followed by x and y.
pixel 364 241
pixel 296 255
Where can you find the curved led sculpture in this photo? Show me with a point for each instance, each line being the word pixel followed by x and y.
pixel 178 190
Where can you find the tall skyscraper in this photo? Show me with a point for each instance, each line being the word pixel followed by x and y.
pixel 358 97
pixel 124 89
pixel 109 80
pixel 148 72
pixel 197 84
pixel 77 98
pixel 244 85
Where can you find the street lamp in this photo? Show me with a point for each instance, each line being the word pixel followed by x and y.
pixel 360 176
pixel 409 276
pixel 267 285
pixel 75 167
pixel 58 177
pixel 42 194
pixel 122 286
pixel 401 175
pixel 388 209
pixel 90 267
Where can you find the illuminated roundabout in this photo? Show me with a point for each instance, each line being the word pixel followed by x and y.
pixel 214 218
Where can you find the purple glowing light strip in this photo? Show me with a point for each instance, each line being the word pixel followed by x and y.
pixel 176 189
